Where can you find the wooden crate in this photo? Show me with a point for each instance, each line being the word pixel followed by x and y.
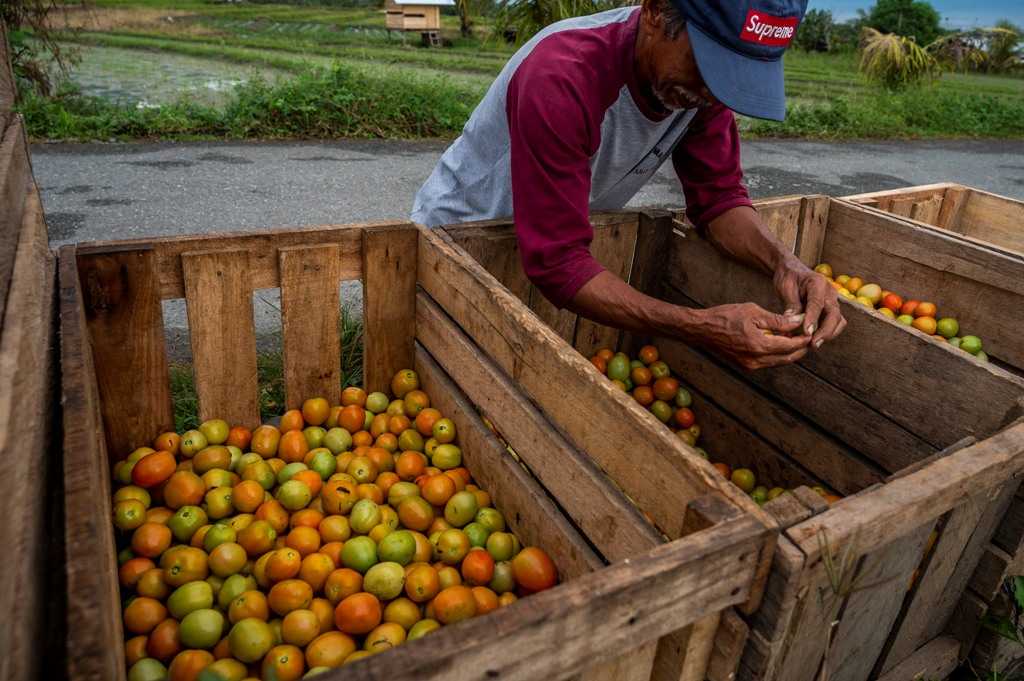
pixel 925 440
pixel 977 216
pixel 428 306
pixel 29 413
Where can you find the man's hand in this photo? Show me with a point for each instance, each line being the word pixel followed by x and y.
pixel 805 291
pixel 749 335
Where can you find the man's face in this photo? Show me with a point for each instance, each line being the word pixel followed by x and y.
pixel 668 64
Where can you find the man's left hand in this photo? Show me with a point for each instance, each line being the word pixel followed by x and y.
pixel 804 290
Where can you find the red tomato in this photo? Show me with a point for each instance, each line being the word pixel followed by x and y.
pixel 534 570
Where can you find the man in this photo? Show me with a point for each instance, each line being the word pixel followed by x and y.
pixel 586 112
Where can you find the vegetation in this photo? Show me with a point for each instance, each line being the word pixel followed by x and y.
pixel 30 57
pixel 894 61
pixel 910 18
pixel 525 18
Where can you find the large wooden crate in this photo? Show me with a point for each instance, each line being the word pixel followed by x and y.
pixel 977 216
pixel 29 414
pixel 922 441
pixel 429 306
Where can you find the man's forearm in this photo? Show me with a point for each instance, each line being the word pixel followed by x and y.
pixel 740 234
pixel 608 300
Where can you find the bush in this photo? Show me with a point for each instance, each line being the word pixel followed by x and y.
pixel 893 60
pixel 318 103
pixel 815 31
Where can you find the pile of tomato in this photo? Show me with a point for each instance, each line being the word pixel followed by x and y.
pixel 921 315
pixel 651 383
pixel 285 551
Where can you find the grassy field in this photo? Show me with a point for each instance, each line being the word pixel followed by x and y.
pixel 828 98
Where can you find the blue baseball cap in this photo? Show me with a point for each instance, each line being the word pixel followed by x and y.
pixel 738 47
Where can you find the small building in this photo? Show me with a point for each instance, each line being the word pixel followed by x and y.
pixel 416 15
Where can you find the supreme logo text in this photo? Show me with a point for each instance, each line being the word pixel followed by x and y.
pixel 765 29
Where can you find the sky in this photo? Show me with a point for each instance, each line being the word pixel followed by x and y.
pixel 955 13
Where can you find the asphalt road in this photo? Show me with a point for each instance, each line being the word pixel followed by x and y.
pixel 119 191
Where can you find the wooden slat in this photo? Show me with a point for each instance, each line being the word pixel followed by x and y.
pixel 218 300
pixel 995 219
pixel 979 287
pixel 662 476
pixel 95 651
pixel 901 206
pixel 15 176
pixel 926 210
pixel 952 203
pixel 262 245
pixel 993 568
pixel 497 251
pixel 953 560
pixel 310 312
pixel 917 193
pixel 531 514
pixel 29 443
pixel 710 279
pixel 935 660
pixel 964 624
pixel 813 219
pixel 637 601
pixel 125 324
pixel 389 303
pixel 820 454
pixel 730 640
pixel 613 248
pixel 887 444
pixel 874 605
pixel 8 92
pixel 561 321
pixel 652 238
pixel 608 520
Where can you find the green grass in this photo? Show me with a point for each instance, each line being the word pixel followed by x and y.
pixel 269 378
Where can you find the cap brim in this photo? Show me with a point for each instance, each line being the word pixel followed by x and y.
pixel 752 87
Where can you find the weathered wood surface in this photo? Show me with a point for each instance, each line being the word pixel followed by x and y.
pixel 636 601
pixel 93 622
pixel 698 271
pixel 310 316
pixel 8 93
pixel 29 443
pixel 613 247
pixel 125 325
pixel 824 457
pixel 15 179
pixel 389 303
pixel 262 245
pixel 661 475
pixel 813 221
pixel 993 219
pixel 978 286
pixel 219 304
pixel 729 643
pixel 653 233
pixel 935 660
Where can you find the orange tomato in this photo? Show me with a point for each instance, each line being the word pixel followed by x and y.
pixel 387 442
pixel 454 604
pixel 486 600
pixel 143 614
pixel 292 420
pixel 384 482
pixel 312 479
pixel 151 539
pixel 724 470
pixel 893 302
pixel 909 307
pixel 684 417
pixel 131 572
pixel 248 604
pixel 239 436
pixel 291 594
pixel 300 627
pixel 926 324
pixel 425 421
pixel 135 649
pixel 283 564
pixel 168 442
pixel 478 567
pixel 152 469
pixel 534 570
pixel 358 613
pixel 353 395
pixel 316 567
pixel 599 364
pixel 341 584
pixel 332 550
pixel 665 388
pixel 284 663
pixel 274 514
pixel 305 540
pixel 352 418
pixel 438 490
pixel 641 376
pixel 265 440
pixel 257 538
pixel 416 513
pixel 644 395
pixel 422 583
pixel 293 446
pixel 329 649
pixel 362 438
pixel 925 310
pixel 382 458
pixel 306 517
pixel 188 664
pixel 410 465
pixel 184 488
pixel 315 411
pixel 247 496
pixel 164 641
pixel 648 354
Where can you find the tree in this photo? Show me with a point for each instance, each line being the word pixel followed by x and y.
pixel 992 50
pixel 524 18
pixel 915 19
pixel 30 58
pixel 1004 48
pixel 815 31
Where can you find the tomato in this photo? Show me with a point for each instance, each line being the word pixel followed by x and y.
pixel 184 488
pixel 202 628
pixel 265 440
pixel 210 458
pixel 384 580
pixel 452 546
pixel 385 637
pixel 129 514
pixel 503 580
pixel 329 649
pixel 744 479
pixel 249 604
pixel 360 613
pixel 454 604
pixel 404 382
pixel 502 545
pixel 925 324
pixel 152 469
pixel 185 521
pixel 359 554
pixel 685 417
pixel 397 547
pixel 250 640
pixel 143 614
pixel 892 302
pixel 948 327
pixel 147 669
pixel 666 388
pixel 316 410
pixel 477 567
pixel 461 509
pixel 150 539
pixel 444 431
pixel 534 570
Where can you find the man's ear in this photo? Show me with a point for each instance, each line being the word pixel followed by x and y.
pixel 651 13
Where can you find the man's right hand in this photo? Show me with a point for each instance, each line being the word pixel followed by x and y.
pixel 748 334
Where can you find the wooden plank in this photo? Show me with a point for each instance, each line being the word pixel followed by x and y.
pixel 663 474
pixel 636 601
pixel 964 624
pixel 1010 532
pixel 218 288
pixel 652 238
pixel 887 444
pixel 15 177
pixel 730 640
pixel 561 321
pixel 919 192
pixel 710 279
pixel 935 660
pixel 993 568
pixel 995 219
pixel 262 245
pixel 818 453
pixel 498 253
pixel 953 560
pixel 874 605
pixel 8 91
pixel 389 303
pixel 926 210
pixel 635 665
pixel 952 203
pixel 979 287
pixel 610 522
pixel 29 442
pixel 901 206
pixel 310 312
pixel 125 324
pixel 788 510
pixel 94 632
pixel 613 248
pixel 813 219
pixel 531 514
